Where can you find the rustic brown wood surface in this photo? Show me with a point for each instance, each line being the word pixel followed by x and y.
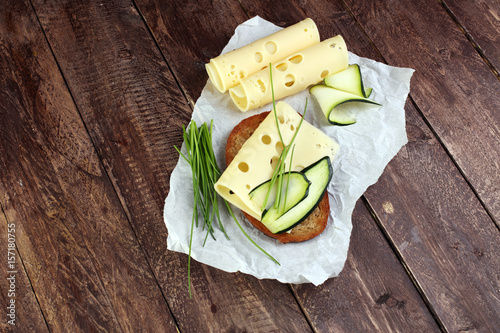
pixel 93 96
pixel 479 21
pixel 22 308
pixel 83 260
pixel 453 87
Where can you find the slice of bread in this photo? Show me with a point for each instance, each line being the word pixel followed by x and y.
pixel 313 225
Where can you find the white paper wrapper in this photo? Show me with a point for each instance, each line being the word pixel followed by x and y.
pixel 365 149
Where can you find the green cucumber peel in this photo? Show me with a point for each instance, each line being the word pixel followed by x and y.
pixel 329 98
pixel 349 80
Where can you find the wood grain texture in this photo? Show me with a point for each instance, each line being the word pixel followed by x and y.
pixel 84 262
pixel 24 314
pixel 434 195
pixel 134 110
pixel 196 42
pixel 481 22
pixel 85 161
pixel 373 293
pixel 452 86
pixel 441 231
pixel 188 47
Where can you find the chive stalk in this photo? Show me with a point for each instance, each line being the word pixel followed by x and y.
pixel 280 169
pixel 288 179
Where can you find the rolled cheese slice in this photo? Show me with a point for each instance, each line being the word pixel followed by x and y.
pixel 292 74
pixel 256 159
pixel 226 70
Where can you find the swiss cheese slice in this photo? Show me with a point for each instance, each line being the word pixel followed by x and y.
pixel 253 165
pixel 226 70
pixel 291 75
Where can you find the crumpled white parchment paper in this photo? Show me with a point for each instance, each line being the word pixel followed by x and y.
pixel 365 149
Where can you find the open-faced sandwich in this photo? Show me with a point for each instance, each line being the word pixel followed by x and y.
pixel 279 166
pixel 278 170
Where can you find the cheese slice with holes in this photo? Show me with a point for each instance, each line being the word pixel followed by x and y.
pixel 292 74
pixel 226 70
pixel 254 163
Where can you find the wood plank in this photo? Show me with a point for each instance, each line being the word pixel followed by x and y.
pixel 480 20
pixel 452 86
pixel 317 302
pixel 430 189
pixel 197 42
pixel 21 311
pixel 84 262
pixel 134 111
pixel 373 293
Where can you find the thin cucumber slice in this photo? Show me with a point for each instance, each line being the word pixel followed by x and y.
pixel 295 182
pixel 328 98
pixel 368 92
pixel 319 174
pixel 348 80
pixel 342 116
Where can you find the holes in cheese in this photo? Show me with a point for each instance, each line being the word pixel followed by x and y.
pixel 293 74
pixel 258 57
pixel 289 80
pixel 262 86
pixel 271 47
pixel 296 59
pixel 243 167
pixel 282 67
pixel 262 150
pixel 224 71
pixel 266 139
pixel 279 147
pixel 274 162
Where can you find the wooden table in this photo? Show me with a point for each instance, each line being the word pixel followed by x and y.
pixel 93 95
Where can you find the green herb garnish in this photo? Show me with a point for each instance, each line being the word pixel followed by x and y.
pixel 288 178
pixel 280 168
pixel 205 173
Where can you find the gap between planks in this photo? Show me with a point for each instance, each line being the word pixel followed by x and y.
pixel 21 261
pixel 470 39
pixel 174 75
pixel 302 308
pixel 395 249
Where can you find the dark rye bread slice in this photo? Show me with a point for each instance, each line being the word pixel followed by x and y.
pixel 313 225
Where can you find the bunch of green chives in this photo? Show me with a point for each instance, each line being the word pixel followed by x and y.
pixel 205 173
